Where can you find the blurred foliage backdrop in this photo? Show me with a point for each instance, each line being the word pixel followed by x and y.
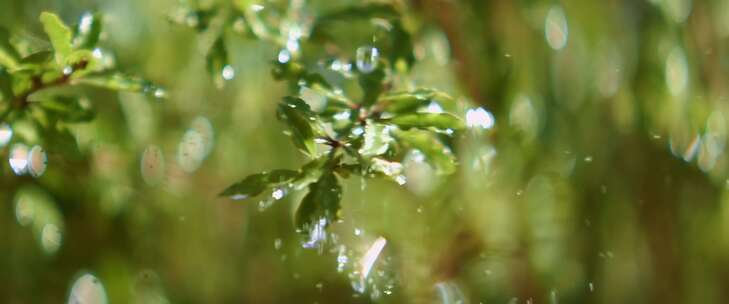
pixel 603 180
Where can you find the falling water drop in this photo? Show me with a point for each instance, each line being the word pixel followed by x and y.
pixel 152 165
pixel 19 159
pixel 6 134
pixel 228 72
pixel 37 161
pixel 87 290
pixel 160 93
pixel 479 118
pixel 284 56
pixel 367 59
pixel 555 28
pixel 51 238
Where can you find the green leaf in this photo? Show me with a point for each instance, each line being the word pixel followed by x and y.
pixel 8 55
pixel 441 121
pixel 88 31
pixel 217 60
pixel 255 184
pixel 121 82
pixel 59 34
pixel 377 140
pixel 406 102
pixel 321 205
pixel 68 109
pixel 296 113
pixel 436 153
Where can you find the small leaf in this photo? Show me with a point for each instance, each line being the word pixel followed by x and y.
pixel 257 183
pixel 68 109
pixel 436 153
pixel 59 34
pixel 88 31
pixel 121 82
pixel 299 117
pixel 377 140
pixel 8 54
pixel 441 121
pixel 321 203
pixel 217 60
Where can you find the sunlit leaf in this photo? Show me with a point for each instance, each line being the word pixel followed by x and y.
pixel 120 82
pixel 322 202
pixel 441 121
pixel 377 140
pixel 256 184
pixel 436 153
pixel 59 34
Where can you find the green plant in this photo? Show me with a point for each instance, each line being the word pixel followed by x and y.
pixel 352 110
pixel 32 76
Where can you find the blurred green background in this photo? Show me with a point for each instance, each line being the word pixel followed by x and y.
pixel 604 179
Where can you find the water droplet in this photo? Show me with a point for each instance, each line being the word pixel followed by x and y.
pixel 257 8
pixel 370 256
pixel 317 235
pixel 555 28
pixel 228 72
pixel 19 159
pixel 152 165
pixel 195 145
pixel 588 159
pixel 277 243
pixel 87 289
pixel 284 56
pixel 676 72
pixel 449 293
pixel 479 118
pixel 37 161
pixel 434 107
pixel 357 231
pixel 6 134
pixel 51 238
pixel 591 286
pixel 401 180
pixel 67 70
pixel 160 93
pixel 367 59
pixel 278 193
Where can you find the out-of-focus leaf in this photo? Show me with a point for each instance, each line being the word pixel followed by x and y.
pixel 322 203
pixel 441 121
pixel 59 34
pixel 296 73
pixel 39 57
pixel 217 59
pixel 299 117
pixel 373 10
pixel 8 55
pixel 61 141
pixel 68 109
pixel 192 18
pixel 436 153
pixel 377 140
pixel 88 31
pixel 6 85
pixel 255 184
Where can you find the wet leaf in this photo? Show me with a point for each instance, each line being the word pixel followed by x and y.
pixel 297 114
pixel 119 82
pixel 322 202
pixel 377 140
pixel 441 121
pixel 59 34
pixel 436 153
pixel 255 184
pixel 88 31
